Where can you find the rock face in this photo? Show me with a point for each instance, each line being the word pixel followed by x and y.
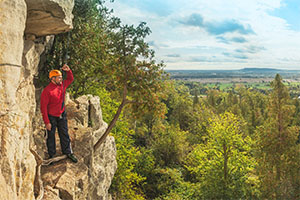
pixel 20 120
pixel 48 17
pixel 91 177
pixel 17 164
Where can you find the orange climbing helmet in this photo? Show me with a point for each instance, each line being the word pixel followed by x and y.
pixel 54 72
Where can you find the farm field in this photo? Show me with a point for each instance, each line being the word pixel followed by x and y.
pixel 265 85
pixel 226 80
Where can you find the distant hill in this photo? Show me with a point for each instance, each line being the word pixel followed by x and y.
pixel 260 70
pixel 238 73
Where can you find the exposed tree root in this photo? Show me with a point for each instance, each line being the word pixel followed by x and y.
pixel 40 162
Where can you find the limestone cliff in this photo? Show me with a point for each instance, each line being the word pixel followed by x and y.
pixel 91 177
pixel 25 29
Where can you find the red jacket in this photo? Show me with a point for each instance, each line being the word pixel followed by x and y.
pixel 52 98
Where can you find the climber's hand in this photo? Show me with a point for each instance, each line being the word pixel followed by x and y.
pixel 48 127
pixel 66 68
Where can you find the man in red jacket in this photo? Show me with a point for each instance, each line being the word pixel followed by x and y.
pixel 54 114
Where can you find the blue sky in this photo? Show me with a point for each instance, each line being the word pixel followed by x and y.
pixel 218 34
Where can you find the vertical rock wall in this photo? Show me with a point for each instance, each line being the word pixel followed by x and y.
pixel 17 164
pixel 24 26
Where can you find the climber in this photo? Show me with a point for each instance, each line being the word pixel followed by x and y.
pixel 54 114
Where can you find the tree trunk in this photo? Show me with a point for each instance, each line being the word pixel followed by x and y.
pixel 113 122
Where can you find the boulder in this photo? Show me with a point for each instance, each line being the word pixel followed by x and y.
pixel 48 17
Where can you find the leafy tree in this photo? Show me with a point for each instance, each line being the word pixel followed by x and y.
pixel 126 182
pixel 215 101
pixel 199 123
pixel 172 186
pixel 180 105
pixel 296 118
pixel 196 98
pixel 143 128
pixel 169 146
pixel 128 178
pixel 278 154
pixel 131 72
pixel 232 103
pixel 251 106
pixel 86 47
pixel 112 61
pixel 224 165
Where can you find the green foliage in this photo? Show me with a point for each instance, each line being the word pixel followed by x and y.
pixel 85 46
pixel 224 165
pixel 215 100
pixel 295 118
pixel 131 72
pixel 169 145
pixel 172 186
pixel 278 155
pixel 180 106
pixel 145 165
pixel 179 140
pixel 251 106
pixel 197 128
pixel 126 180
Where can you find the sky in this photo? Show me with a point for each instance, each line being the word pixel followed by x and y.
pixel 218 34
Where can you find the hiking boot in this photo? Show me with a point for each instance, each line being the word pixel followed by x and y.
pixel 72 157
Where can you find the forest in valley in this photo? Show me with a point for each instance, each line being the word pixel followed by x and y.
pixel 172 142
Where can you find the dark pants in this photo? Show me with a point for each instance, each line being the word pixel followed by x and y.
pixel 62 125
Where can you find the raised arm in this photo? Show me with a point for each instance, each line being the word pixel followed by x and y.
pixel 70 76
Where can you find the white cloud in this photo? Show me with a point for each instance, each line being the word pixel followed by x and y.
pixel 272 43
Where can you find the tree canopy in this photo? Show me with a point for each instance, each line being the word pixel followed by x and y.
pixel 177 139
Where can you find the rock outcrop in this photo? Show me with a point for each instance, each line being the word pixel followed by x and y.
pixel 25 29
pixel 91 177
pixel 48 17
